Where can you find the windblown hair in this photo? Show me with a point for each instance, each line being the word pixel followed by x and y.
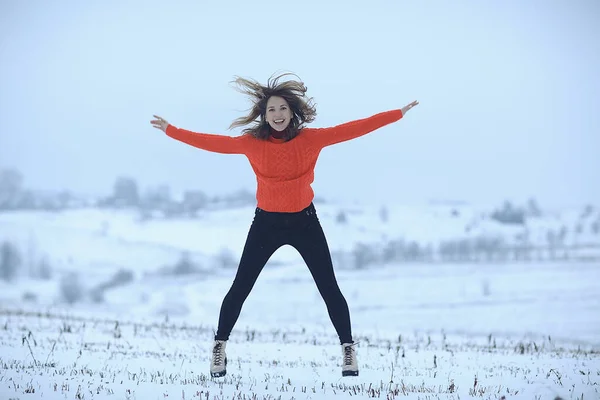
pixel 294 92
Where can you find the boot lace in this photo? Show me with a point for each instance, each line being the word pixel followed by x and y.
pixel 218 353
pixel 349 354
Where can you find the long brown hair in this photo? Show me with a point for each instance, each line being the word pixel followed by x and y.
pixel 294 92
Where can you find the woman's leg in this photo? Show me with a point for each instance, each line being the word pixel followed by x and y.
pixel 312 245
pixel 260 245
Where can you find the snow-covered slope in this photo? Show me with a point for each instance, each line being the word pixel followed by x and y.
pixel 97 243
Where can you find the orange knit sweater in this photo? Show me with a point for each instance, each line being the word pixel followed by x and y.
pixel 284 170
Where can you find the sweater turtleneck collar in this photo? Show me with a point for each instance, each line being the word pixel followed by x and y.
pixel 276 136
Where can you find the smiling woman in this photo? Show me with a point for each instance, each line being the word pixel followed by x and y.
pixel 283 154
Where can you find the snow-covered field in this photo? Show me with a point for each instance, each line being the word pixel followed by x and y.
pixel 526 330
pixel 100 242
pixel 424 332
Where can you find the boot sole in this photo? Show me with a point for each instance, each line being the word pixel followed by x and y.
pixel 349 373
pixel 218 374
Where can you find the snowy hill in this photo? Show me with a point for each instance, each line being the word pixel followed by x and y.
pixel 108 247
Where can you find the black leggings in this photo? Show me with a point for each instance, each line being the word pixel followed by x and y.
pixel 268 232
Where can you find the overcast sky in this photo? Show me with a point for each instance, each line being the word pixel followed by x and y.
pixel 509 93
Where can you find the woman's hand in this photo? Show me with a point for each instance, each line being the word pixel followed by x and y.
pixel 159 123
pixel 409 106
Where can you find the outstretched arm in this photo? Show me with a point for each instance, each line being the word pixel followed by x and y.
pixel 353 129
pixel 215 143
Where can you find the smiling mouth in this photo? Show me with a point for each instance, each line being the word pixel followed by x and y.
pixel 278 121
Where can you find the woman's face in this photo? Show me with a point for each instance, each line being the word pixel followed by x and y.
pixel 278 113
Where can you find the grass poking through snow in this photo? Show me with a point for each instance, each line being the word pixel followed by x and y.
pixel 52 356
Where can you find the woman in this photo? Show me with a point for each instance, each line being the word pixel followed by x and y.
pixel 283 154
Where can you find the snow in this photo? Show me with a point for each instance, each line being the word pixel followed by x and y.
pixel 430 330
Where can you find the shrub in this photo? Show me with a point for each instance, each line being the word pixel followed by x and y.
pixel 185 265
pixel 226 259
pixel 509 214
pixel 364 255
pixel 44 269
pixel 120 278
pixel 71 289
pixel 10 261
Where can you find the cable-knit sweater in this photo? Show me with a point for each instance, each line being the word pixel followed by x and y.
pixel 284 170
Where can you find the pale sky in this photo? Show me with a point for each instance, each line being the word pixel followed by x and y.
pixel 509 93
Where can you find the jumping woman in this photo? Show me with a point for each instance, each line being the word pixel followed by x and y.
pixel 283 154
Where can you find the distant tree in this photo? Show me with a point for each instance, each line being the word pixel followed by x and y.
pixel 595 227
pixel 587 211
pixel 193 201
pixel 243 196
pixel 552 238
pixel 121 277
pixel 455 250
pixel 157 197
pixel 509 214
pixel 125 192
pixel 226 259
pixel 341 218
pixel 44 269
pixel 10 261
pixel 71 288
pixel 185 265
pixel 172 209
pixel 464 249
pixel 384 214
pixel 448 250
pixel 522 246
pixel 238 198
pixel 533 209
pixel 364 255
pixel 64 199
pixel 11 185
pixel 488 248
pixel 562 235
pixel 428 252
pixel 413 251
pixel 27 200
pixel 392 250
pixel 11 180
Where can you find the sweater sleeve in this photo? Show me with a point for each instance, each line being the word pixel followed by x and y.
pixel 214 143
pixel 350 130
